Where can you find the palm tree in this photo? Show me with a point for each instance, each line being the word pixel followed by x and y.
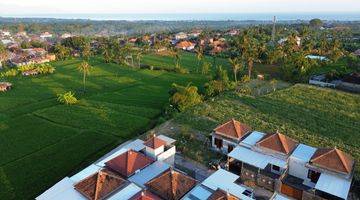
pixel 199 55
pixel 84 68
pixel 176 55
pixel 138 57
pixel 249 48
pixel 236 66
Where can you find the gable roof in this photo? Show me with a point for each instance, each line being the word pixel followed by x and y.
pixel 154 142
pixel 220 194
pixel 145 195
pixel 99 185
pixel 171 185
pixel 333 159
pixel 129 162
pixel 233 129
pixel 278 142
pixel 185 44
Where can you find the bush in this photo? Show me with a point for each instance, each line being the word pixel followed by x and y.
pixel 9 73
pixel 67 98
pixel 214 88
pixel 184 97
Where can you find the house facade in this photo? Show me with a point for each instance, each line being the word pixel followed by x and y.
pixel 227 136
pixel 261 159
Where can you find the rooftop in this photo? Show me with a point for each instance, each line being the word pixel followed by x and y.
pixel 333 159
pixel 278 142
pixel 220 194
pixel 129 162
pixel 145 195
pixel 99 185
pixel 233 129
pixel 155 142
pixel 171 185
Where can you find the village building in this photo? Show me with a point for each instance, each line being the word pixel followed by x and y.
pixel 5 86
pixel 261 159
pixel 181 36
pixel 227 136
pixel 221 184
pixel 171 185
pixel 320 173
pixel 125 173
pixel 46 35
pixel 186 45
pixel 65 35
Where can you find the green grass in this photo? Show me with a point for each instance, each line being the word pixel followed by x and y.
pixel 311 115
pixel 42 141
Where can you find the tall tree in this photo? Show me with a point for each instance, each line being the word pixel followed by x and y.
pixel 236 65
pixel 248 47
pixel 199 56
pixel 84 68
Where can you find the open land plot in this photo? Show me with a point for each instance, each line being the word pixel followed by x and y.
pixel 41 141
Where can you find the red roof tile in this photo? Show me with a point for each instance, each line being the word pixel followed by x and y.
pixel 154 142
pixel 222 195
pixel 278 142
pixel 127 163
pixel 145 195
pixel 233 129
pixel 171 185
pixel 333 159
pixel 100 185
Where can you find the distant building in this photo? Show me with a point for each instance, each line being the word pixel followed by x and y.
pixel 283 40
pixel 181 36
pixel 65 35
pixel 357 52
pixel 46 35
pixel 5 86
pixel 186 45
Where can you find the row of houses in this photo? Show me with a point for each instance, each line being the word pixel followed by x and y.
pixel 281 164
pixel 144 170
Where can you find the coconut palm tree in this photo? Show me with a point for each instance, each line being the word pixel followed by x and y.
pixel 84 68
pixel 199 56
pixel 236 65
pixel 139 55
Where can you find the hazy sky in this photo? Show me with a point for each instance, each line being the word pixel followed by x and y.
pixel 23 7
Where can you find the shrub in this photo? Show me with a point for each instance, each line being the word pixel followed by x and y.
pixel 9 73
pixel 184 97
pixel 67 98
pixel 214 88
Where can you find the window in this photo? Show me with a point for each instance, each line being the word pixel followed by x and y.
pixel 218 143
pixel 275 168
pixel 313 175
pixel 247 193
pixel 230 148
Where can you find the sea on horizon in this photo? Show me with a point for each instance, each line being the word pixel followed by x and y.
pixel 201 16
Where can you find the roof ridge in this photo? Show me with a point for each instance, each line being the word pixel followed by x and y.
pixel 341 154
pixel 173 191
pixel 97 184
pixel 282 139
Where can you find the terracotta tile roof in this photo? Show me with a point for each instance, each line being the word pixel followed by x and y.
pixel 100 185
pixel 127 163
pixel 278 142
pixel 185 44
pixel 154 142
pixel 171 185
pixel 145 195
pixel 333 159
pixel 233 129
pixel 222 195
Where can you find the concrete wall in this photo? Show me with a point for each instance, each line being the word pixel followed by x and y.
pixel 225 143
pixel 298 169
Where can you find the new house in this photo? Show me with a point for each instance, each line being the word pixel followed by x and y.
pixel 320 173
pixel 221 184
pixel 227 136
pixel 135 170
pixel 261 158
